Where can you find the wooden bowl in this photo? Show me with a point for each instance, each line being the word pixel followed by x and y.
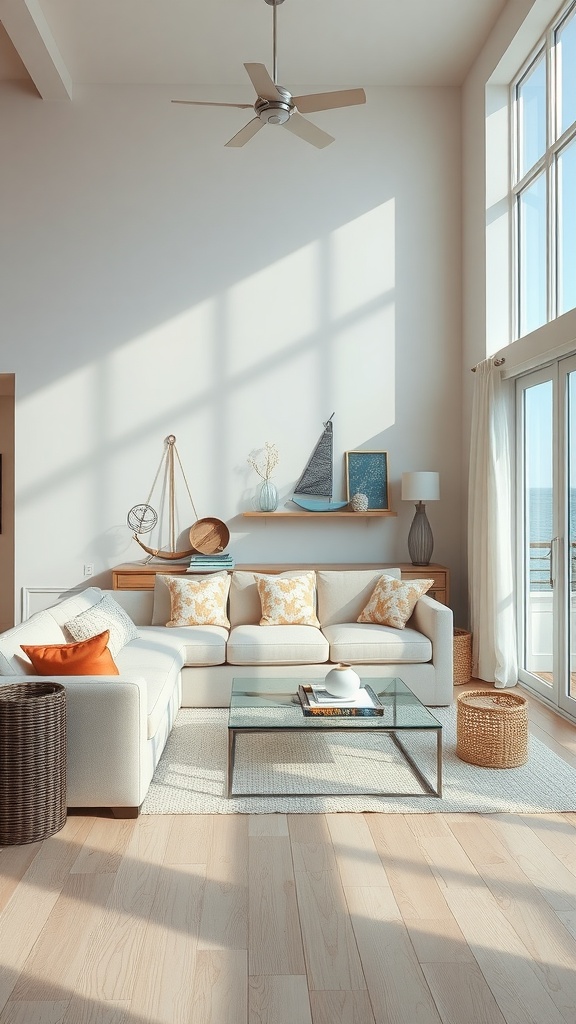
pixel 209 536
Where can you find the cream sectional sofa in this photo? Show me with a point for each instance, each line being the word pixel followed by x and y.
pixel 118 725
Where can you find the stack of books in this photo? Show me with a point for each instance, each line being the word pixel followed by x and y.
pixel 316 700
pixel 210 563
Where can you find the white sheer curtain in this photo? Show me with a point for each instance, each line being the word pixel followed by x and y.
pixel 490 554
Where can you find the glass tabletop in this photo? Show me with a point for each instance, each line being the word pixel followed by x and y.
pixel 274 704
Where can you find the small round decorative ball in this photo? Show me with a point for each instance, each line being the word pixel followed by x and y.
pixel 359 502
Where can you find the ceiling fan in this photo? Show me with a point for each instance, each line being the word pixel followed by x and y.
pixel 275 105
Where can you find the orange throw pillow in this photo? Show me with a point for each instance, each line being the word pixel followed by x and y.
pixel 86 658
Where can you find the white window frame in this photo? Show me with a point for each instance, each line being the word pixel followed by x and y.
pixel 547 164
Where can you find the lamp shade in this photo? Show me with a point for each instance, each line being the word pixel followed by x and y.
pixel 420 486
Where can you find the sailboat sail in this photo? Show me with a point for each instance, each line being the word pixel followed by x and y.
pixel 317 476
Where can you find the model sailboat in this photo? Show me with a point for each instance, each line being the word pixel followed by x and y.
pixel 317 478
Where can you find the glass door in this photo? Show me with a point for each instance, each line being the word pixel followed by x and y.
pixel 546 501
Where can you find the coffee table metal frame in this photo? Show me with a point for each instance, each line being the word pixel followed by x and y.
pixel 403 712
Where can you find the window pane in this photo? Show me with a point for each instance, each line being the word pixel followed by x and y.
pixel 567 229
pixel 566 58
pixel 538 530
pixel 531 95
pixel 532 255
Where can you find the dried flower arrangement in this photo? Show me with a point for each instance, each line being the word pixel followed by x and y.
pixel 264 460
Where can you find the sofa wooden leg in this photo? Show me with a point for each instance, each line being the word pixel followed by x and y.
pixel 125 812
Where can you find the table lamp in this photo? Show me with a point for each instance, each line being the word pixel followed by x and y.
pixel 420 487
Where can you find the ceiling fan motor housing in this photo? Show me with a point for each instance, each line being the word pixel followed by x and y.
pixel 273 111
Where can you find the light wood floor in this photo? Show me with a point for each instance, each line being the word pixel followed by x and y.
pixel 295 919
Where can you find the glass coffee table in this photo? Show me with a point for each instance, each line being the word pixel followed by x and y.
pixel 272 706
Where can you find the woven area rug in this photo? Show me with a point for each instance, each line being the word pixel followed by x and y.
pixel 190 777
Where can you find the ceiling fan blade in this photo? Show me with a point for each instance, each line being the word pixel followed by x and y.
pixel 207 103
pixel 329 100
pixel 309 132
pixel 246 133
pixel 262 82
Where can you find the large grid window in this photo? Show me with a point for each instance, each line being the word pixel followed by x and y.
pixel 544 178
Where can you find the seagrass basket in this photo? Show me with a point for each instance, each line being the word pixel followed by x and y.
pixel 492 729
pixel 462 649
pixel 32 761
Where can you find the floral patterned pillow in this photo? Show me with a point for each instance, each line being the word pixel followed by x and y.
pixel 198 602
pixel 288 601
pixel 392 601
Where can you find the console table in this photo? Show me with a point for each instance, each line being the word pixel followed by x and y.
pixel 140 575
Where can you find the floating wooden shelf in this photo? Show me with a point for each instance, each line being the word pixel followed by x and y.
pixel 321 515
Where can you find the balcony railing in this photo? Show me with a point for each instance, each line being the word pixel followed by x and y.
pixel 541 565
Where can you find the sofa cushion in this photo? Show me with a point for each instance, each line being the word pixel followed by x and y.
pixel 342 594
pixel 392 601
pixel 107 614
pixel 74 604
pixel 40 628
pixel 157 656
pixel 90 657
pixel 196 645
pixel 288 602
pixel 245 605
pixel 366 644
pixel 276 645
pixel 191 600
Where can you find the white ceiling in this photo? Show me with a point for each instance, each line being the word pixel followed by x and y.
pixel 188 43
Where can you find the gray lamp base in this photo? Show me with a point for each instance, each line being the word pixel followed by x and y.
pixel 420 539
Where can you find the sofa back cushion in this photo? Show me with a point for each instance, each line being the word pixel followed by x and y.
pixel 343 593
pixel 75 604
pixel 245 604
pixel 40 628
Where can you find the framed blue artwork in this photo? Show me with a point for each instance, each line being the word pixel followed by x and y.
pixel 367 473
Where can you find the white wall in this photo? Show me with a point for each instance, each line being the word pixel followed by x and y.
pixel 155 282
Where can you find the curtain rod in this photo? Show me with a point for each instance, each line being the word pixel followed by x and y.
pixel 497 362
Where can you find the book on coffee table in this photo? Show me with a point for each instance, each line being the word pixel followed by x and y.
pixel 316 700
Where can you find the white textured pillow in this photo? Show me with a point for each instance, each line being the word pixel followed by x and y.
pixel 198 602
pixel 288 602
pixel 107 614
pixel 393 601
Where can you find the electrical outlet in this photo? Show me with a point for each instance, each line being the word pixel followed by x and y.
pixel 89 569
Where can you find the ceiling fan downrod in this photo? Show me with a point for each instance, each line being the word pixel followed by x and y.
pixel 274 4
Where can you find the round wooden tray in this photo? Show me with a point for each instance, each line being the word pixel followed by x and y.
pixel 209 536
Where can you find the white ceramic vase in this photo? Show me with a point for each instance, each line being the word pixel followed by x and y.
pixel 342 681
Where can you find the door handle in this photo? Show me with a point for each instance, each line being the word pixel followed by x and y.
pixel 553 557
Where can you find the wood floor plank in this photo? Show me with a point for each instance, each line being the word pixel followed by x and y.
pixel 332 960
pixel 104 846
pixel 112 956
pixel 503 959
pixel 278 1000
pixel 415 888
pixel 428 826
pixel 25 915
pixel 162 990
pixel 311 829
pixel 14 863
pixel 275 942
pixel 398 989
pixel 556 883
pixel 220 986
pixel 189 839
pixel 87 1011
pixel 461 994
pixel 557 834
pixel 267 825
pixel 356 855
pixel 449 863
pixel 438 940
pixel 224 923
pixel 538 927
pixel 341 1008
pixel 34 1013
pixel 62 945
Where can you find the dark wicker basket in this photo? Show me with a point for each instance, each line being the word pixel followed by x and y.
pixel 32 761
